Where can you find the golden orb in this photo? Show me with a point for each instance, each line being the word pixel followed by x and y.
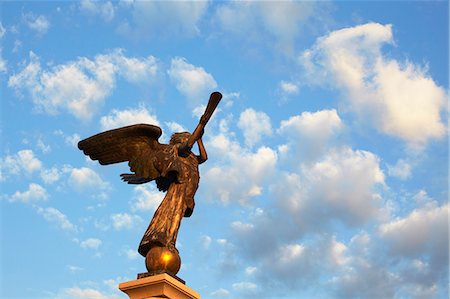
pixel 163 259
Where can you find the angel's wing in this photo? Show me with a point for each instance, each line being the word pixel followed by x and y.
pixel 137 144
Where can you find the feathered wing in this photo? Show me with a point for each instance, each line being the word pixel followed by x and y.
pixel 137 144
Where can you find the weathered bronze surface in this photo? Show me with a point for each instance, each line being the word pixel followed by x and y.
pixel 174 168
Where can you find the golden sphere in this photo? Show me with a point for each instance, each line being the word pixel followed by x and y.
pixel 165 259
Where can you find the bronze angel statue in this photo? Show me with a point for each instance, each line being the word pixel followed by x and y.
pixel 174 168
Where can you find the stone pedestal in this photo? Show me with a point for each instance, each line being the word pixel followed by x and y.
pixel 158 286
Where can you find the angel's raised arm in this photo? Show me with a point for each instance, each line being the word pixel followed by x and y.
pixel 201 148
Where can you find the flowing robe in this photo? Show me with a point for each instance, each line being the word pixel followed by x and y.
pixel 182 175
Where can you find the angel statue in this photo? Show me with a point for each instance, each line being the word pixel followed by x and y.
pixel 174 168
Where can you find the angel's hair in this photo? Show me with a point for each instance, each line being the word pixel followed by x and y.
pixel 179 137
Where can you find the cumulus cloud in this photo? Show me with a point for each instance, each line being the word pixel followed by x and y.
pixel 2 30
pixel 147 198
pixel 257 22
pixel 424 230
pixel 152 19
pixel 399 98
pixel 24 161
pixel 74 269
pixel 205 240
pixel 289 88
pixel 131 254
pixel 401 169
pixel 372 272
pixel 34 193
pixel 105 10
pixel 40 23
pixel 3 63
pixel 125 221
pixel 244 286
pixel 250 270
pixel 365 279
pixel 220 293
pixel 121 118
pixel 72 139
pixel 190 80
pixel 80 87
pixel 254 125
pixel 342 185
pixel 241 174
pixel 91 243
pixel 310 133
pixel 175 127
pixel 84 178
pixel 79 293
pixel 44 148
pixel 58 218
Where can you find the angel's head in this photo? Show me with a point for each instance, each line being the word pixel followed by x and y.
pixel 179 137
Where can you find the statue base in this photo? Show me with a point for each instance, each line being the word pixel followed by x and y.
pixel 157 286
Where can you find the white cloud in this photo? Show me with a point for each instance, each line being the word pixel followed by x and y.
pixel 131 254
pixel 34 193
pixel 289 253
pixel 121 118
pixel 401 170
pixel 104 9
pixel 43 147
pixel 57 217
pixel 262 22
pixel 220 293
pixel 74 269
pixel 365 279
pixel 238 173
pixel 23 161
pixel 229 98
pixel 72 139
pixel 310 133
pixel 125 221
pixel 423 230
pixel 154 19
pixel 199 110
pixel 338 253
pixel 205 241
pixel 342 185
pixel 2 30
pixel 289 88
pixel 254 125
pixel 399 99
pixel 175 127
pixel 112 283
pixel 79 293
pixel 28 161
pixel 135 70
pixel 244 286
pixel 3 62
pixel 241 227
pixel 241 175
pixel 80 87
pixel 91 243
pixel 17 45
pixel 40 23
pixel 147 198
pixel 192 81
pixel 250 270
pixel 84 178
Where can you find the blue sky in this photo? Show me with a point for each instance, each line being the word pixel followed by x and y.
pixel 328 155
